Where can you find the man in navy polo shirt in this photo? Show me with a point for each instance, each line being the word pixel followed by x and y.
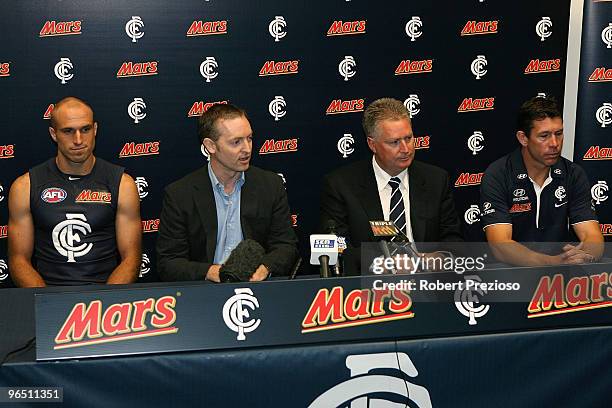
pixel 534 195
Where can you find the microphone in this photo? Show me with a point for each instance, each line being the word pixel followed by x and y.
pixel 324 252
pixel 242 262
pixel 388 231
pixel 331 229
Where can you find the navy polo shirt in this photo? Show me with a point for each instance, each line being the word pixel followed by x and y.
pixel 508 196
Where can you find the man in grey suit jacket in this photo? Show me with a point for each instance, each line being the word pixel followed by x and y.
pixel 364 191
pixel 208 212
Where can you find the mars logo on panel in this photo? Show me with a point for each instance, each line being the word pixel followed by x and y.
pixel 5 69
pixel 279 146
pixel 47 114
pixel 277 27
pixel 199 27
pixel 62 70
pixel 339 27
pixel 543 28
pixel 422 142
pixel 598 153
pixel 338 106
pixel 537 66
pixel 272 67
pixel 91 324
pixel 133 28
pixel 150 225
pixel 480 27
pixel 406 67
pixel 199 107
pixel 7 151
pixel 133 69
pixel 601 74
pixel 53 28
pixel 3 231
pixel 132 149
pixel 468 179
pixel 476 104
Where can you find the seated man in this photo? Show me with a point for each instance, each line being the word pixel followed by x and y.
pixel 207 213
pixel 389 186
pixel 533 195
pixel 74 219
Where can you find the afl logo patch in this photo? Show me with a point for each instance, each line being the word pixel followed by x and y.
pixel 53 195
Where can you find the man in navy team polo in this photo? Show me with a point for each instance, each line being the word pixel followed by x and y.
pixel 535 195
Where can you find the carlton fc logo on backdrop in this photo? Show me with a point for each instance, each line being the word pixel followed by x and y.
pixel 345 145
pixel 142 185
pixel 53 195
pixel 136 110
pixel 277 108
pixel 604 114
pixel 599 192
pixel 543 28
pixel 346 68
pixel 3 270
pixel 236 313
pixel 145 265
pixel 276 28
pixel 63 70
pixel 133 28
pixel 413 28
pixel 52 28
pixel 474 142
pixel 478 66
pixel 412 104
pixel 209 68
pixel 68 236
pixel 373 376
pixel 606 35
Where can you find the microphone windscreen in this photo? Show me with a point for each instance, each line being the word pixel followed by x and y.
pixel 242 262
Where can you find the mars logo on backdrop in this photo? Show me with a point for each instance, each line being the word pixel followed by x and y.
pixel 3 231
pixel 480 27
pixel 537 66
pixel 199 107
pixel 279 146
pixel 598 153
pixel 422 142
pixel 349 106
pixel 476 104
pixel 279 68
pixel 7 151
pixel 340 27
pixel 468 179
pixel 132 149
pixel 414 67
pixel 47 114
pixel 53 29
pixel 5 69
pixel 601 74
pixel 199 27
pixel 150 225
pixel 132 69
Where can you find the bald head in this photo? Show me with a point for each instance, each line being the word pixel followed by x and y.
pixel 68 102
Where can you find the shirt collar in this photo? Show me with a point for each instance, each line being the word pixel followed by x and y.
pixel 519 171
pixel 382 178
pixel 217 184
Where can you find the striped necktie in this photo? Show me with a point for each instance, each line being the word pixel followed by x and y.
pixel 398 212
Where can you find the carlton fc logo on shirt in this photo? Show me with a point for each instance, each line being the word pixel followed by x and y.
pixel 68 237
pixel 53 195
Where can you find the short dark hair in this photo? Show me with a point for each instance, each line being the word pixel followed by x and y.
pixel 537 108
pixel 65 101
pixel 382 109
pixel 207 123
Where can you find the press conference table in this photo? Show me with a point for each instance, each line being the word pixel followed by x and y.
pixel 433 356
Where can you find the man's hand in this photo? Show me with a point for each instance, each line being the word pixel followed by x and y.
pixel 260 274
pixel 574 254
pixel 213 273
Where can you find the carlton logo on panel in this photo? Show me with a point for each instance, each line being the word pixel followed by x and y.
pixel 468 179
pixel 480 27
pixel 412 103
pixel 62 70
pixel 209 68
pixel 53 28
pixel 68 237
pixel 132 149
pixel 413 28
pixel 277 28
pixel 133 28
pixel 199 27
pixel 346 67
pixel 599 192
pixel 279 146
pixel 543 27
pixel 474 142
pixel 7 151
pixel 604 114
pixel 345 145
pixel 332 309
pixel 236 313
pixel 476 104
pixel 339 27
pixel 349 106
pixel 478 66
pixel 606 35
pixel 272 67
pixel 1 193
pixel 5 69
pixel 199 107
pixel 407 67
pixel 91 324
pixel 136 110
pixel 537 66
pixel 372 377
pixel 601 74
pixel 276 108
pixel 133 69
pixel 467 303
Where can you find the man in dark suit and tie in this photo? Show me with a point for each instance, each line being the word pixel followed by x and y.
pixel 207 213
pixel 390 186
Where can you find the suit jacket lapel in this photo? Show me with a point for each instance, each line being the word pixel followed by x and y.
pixel 205 203
pixel 368 193
pixel 248 204
pixel 418 203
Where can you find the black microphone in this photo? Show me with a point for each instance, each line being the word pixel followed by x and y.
pixel 242 262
